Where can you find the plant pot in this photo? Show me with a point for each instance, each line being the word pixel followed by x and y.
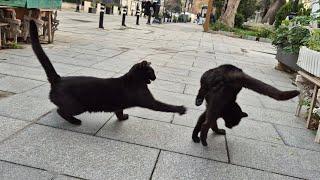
pixel 309 60
pixel 92 10
pixel 288 59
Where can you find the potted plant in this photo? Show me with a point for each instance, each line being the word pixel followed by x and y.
pixel 309 55
pixel 288 42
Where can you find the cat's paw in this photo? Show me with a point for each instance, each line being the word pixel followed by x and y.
pixel 74 121
pixel 220 131
pixel 196 139
pixel 181 110
pixel 204 143
pixel 124 117
pixel 199 102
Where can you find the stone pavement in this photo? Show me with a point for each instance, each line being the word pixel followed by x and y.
pixel 35 143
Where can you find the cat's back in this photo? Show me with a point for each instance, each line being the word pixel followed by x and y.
pixel 222 71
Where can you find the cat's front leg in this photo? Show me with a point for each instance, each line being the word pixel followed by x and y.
pixel 197 128
pixel 121 116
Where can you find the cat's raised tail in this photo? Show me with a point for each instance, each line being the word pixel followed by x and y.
pixel 52 75
pixel 265 89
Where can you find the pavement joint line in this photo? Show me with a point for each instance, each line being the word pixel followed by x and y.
pixel 184 89
pixel 227 148
pixel 155 165
pixel 280 135
pixel 53 173
pixel 94 134
pixel 22 129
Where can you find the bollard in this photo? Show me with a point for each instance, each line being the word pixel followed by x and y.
pixel 101 20
pixel 138 15
pixel 124 13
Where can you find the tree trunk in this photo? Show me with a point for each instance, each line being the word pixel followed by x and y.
pixel 207 22
pixel 270 17
pixel 228 16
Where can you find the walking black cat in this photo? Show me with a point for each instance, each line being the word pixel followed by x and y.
pixel 220 87
pixel 74 95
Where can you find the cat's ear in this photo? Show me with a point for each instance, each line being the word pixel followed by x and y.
pixel 244 114
pixel 148 63
pixel 143 64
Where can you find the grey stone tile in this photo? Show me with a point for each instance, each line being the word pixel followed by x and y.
pixel 287 106
pixel 167 86
pixel 177 166
pixel 24 107
pixel 171 70
pixel 80 60
pixel 176 78
pixel 23 71
pixel 189 119
pixel 176 99
pixel 10 171
pixel 149 114
pixel 64 69
pixel 274 157
pixel 273 116
pixel 300 138
pixel 18 85
pixel 192 89
pixel 9 126
pixel 78 155
pixel 91 122
pixel 62 177
pixel 93 72
pixel 253 130
pixel 155 134
pixel 39 92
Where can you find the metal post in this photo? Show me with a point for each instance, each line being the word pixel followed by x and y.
pixel 137 14
pixel 78 6
pixel 101 20
pixel 124 13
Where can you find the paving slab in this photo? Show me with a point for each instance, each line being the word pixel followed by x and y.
pixel 18 85
pixel 91 122
pixel 23 71
pixel 24 107
pixel 79 155
pixel 149 114
pixel 9 126
pixel 300 138
pixel 178 166
pixel 274 157
pixel 159 84
pixel 93 72
pixel 164 136
pixel 286 106
pixel 39 92
pixel 11 171
pixel 273 116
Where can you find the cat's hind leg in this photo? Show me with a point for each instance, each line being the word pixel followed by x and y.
pixel 214 127
pixel 69 117
pixel 197 128
pixel 121 116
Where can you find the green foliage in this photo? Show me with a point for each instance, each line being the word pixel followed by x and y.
pixel 298 36
pixel 247 8
pixel 239 20
pixel 283 12
pixel 218 4
pixel 265 33
pixel 303 20
pixel 280 38
pixel 314 41
pixel 218 26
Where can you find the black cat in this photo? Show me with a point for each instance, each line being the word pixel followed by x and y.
pixel 78 94
pixel 220 87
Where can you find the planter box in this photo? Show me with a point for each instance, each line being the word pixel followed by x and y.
pixel 92 10
pixel 309 60
pixel 290 60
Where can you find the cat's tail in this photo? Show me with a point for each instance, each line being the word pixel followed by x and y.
pixel 265 89
pixel 52 75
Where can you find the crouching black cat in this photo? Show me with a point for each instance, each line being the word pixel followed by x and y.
pixel 78 94
pixel 220 87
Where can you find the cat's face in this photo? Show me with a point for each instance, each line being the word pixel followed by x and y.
pixel 233 115
pixel 144 71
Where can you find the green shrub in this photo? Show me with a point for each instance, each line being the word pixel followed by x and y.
pixel 238 20
pixel 297 36
pixel 283 12
pixel 280 38
pixel 314 41
pixel 265 33
pixel 218 26
pixel 303 20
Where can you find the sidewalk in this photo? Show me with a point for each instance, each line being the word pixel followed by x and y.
pixel 35 143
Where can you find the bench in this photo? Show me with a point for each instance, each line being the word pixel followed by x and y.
pixel 316 85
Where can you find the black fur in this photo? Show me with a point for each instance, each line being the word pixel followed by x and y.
pixel 75 95
pixel 220 87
